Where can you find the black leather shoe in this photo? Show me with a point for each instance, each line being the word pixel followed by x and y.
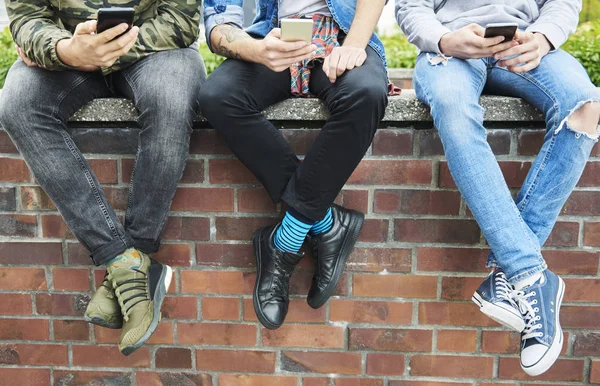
pixel 273 272
pixel 331 249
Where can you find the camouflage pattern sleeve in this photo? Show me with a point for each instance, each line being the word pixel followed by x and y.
pixel 176 25
pixel 35 28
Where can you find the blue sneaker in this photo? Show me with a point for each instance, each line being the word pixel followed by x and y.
pixel 494 298
pixel 542 338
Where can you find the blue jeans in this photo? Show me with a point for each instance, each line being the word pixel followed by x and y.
pixel 35 107
pixel 517 230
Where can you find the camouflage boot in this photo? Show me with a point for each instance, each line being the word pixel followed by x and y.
pixel 140 284
pixel 104 309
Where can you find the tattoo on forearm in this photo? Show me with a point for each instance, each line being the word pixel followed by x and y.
pixel 229 34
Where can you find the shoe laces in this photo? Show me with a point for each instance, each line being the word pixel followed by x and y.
pixel 106 281
pixel 281 280
pixel 530 311
pixel 140 294
pixel 504 289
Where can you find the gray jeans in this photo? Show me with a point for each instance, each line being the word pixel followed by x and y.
pixel 35 107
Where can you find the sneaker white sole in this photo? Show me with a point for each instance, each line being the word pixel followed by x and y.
pixel 505 315
pixel 548 359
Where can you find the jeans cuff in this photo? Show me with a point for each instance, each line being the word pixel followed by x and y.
pixel 491 261
pixel 148 246
pixel 310 213
pixel 530 272
pixel 108 251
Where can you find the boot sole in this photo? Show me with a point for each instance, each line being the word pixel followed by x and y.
pixel 506 317
pixel 102 323
pixel 548 359
pixel 257 310
pixel 355 227
pixel 159 298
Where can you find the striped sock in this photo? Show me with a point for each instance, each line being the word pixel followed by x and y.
pixel 323 225
pixel 291 234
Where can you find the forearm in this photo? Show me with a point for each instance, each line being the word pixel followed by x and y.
pixel 232 42
pixel 365 20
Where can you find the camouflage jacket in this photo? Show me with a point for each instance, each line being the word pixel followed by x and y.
pixel 38 25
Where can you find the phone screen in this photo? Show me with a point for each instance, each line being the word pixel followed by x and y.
pixel 297 29
pixel 112 17
pixel 507 30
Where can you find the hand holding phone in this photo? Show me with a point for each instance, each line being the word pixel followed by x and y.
pixel 501 29
pixel 470 43
pixel 279 55
pixel 112 17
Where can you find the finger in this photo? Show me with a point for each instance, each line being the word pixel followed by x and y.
pixel 490 51
pixel 301 52
pixel 352 61
pixel 516 50
pixel 361 59
pixel 524 58
pixel 86 28
pixel 333 65
pixel 112 33
pixel 119 45
pixel 287 62
pixel 275 32
pixel 477 29
pixel 281 46
pixel 525 68
pixel 490 42
pixel 326 66
pixel 343 63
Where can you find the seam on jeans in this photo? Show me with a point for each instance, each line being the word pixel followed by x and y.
pixel 95 189
pixel 61 97
pixel 528 273
pixel 130 193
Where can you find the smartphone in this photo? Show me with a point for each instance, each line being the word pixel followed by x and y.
pixel 112 17
pixel 507 30
pixel 293 30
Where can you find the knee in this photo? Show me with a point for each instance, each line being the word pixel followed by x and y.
pixel 585 119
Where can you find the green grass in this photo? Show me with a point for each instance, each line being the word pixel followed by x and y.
pixel 8 54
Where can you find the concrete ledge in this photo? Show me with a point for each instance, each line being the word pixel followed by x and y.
pixel 403 108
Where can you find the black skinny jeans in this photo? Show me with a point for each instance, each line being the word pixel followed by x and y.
pixel 235 95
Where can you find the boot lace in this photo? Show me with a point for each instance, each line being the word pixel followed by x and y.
pixel 530 314
pixel 281 280
pixel 140 294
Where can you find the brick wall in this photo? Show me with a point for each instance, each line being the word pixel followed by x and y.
pixel 401 315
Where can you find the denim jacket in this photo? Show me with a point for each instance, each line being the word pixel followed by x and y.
pixel 218 12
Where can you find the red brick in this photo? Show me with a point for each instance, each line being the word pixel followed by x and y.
pixel 298 312
pixel 402 286
pixel 255 200
pixel 229 171
pixel 564 234
pixel 586 344
pixel 212 282
pixel 298 335
pixel 393 142
pixel 24 376
pixel 566 262
pixel 162 335
pixel 457 340
pixel 180 307
pixel 147 378
pixel 72 378
pixel 13 170
pixel 221 308
pixel 207 142
pixel 174 255
pixel 173 358
pixel 372 312
pixel 417 202
pixel 221 334
pixel 583 203
pixel 203 200
pixel 580 317
pixel 591 175
pixel 225 255
pixel 381 339
pixel 78 255
pixel 436 231
pixel 460 288
pixel 54 226
pixel 354 199
pixel 237 361
pixel 514 173
pixel 109 356
pixel 18 225
pixel 61 304
pixel 256 380
pixel 71 279
pixel 427 383
pixel 452 259
pixel 591 236
pixel 357 382
pixel 595 371
pixel 6 145
pixel 117 197
pixel 321 362
pixel 582 290
pixel 8 199
pixel 414 172
pixel 530 142
pixel 504 342
pixel 71 330
pixel 300 283
pixel 562 370
pixel 240 228
pixel 105 170
pixel 22 278
pixel 300 140
pixel 452 314
pixel 34 354
pixel 187 228
pixel 24 329
pixel 380 259
pixel 374 231
pixel 35 198
pixel 385 364
pixel 15 304
pixel 193 173
pixel 452 366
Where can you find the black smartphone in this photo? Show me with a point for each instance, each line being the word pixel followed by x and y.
pixel 507 30
pixel 112 17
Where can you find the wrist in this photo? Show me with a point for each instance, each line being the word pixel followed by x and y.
pixel 63 51
pixel 443 43
pixel 543 41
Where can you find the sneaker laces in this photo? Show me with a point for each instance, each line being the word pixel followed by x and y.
pixel 530 314
pixel 504 289
pixel 137 284
pixel 281 278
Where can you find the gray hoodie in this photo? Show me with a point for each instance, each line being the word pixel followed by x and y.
pixel 425 21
